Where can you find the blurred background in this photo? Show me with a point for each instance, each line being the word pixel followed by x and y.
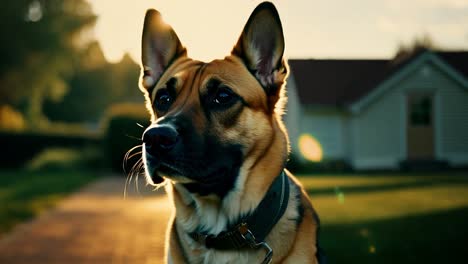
pixel 377 118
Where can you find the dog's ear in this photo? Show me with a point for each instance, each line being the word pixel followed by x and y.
pixel 261 47
pixel 160 46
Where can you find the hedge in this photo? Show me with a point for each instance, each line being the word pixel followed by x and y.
pixel 123 132
pixel 17 148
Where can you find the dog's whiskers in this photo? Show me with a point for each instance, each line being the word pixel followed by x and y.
pixel 138 170
pixel 129 155
pixel 135 170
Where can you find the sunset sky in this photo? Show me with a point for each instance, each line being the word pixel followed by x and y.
pixel 313 28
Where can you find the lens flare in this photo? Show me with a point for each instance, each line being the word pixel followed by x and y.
pixel 310 148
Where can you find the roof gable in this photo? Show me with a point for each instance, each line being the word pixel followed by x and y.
pixel 406 69
pixel 342 83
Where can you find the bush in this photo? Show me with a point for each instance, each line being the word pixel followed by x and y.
pixel 124 125
pixel 10 119
pixel 297 165
pixel 20 147
pixel 66 158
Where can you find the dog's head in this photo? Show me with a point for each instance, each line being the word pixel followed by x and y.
pixel 208 119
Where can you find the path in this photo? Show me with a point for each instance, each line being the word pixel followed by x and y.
pixel 95 225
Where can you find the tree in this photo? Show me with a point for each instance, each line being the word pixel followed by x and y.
pixel 420 43
pixel 39 50
pixel 95 87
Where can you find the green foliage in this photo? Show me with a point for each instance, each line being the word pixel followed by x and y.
pixel 418 44
pixel 10 119
pixel 67 158
pixel 95 87
pixel 19 148
pixel 124 127
pixel 39 50
pixel 50 71
pixel 24 194
pixel 297 165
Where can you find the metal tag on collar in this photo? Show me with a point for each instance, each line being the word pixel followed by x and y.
pixel 200 238
pixel 250 239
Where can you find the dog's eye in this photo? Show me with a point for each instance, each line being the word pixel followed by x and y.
pixel 224 96
pixel 163 100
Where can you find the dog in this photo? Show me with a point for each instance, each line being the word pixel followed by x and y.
pixel 218 143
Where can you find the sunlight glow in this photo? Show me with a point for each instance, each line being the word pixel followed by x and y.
pixel 207 34
pixel 310 148
pixel 339 195
pixel 210 28
pixel 34 13
pixel 384 202
pixel 364 232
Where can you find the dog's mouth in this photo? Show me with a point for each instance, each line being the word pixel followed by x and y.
pixel 219 182
pixel 183 174
pixel 159 170
pixel 212 174
pixel 169 170
pixel 186 175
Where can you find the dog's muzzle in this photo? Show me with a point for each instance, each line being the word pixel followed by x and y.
pixel 159 141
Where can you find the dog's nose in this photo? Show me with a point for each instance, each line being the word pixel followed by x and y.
pixel 160 138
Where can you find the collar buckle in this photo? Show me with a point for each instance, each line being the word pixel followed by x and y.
pixel 252 242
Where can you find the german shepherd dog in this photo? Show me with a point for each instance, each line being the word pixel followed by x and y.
pixel 218 143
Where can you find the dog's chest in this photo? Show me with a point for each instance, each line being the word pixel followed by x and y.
pixel 197 253
pixel 214 223
pixel 231 257
pixel 241 256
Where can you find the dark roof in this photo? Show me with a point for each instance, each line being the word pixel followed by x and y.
pixel 335 82
pixel 327 82
pixel 456 59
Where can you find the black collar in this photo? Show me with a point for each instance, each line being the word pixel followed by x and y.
pixel 251 230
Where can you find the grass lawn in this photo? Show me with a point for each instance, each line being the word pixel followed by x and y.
pixel 24 194
pixel 392 218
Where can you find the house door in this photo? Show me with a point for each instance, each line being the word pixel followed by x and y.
pixel 420 128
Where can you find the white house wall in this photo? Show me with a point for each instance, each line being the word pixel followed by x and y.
pixel 378 131
pixel 452 133
pixel 327 128
pixel 293 114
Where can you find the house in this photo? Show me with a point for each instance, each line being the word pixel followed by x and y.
pixel 380 114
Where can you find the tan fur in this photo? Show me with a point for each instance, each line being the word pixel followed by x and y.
pixel 268 140
pixel 258 127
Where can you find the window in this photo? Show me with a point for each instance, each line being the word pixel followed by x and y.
pixel 421 110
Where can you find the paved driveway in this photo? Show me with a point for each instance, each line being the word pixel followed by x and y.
pixel 95 225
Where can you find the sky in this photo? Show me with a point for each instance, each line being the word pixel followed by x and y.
pixel 313 28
